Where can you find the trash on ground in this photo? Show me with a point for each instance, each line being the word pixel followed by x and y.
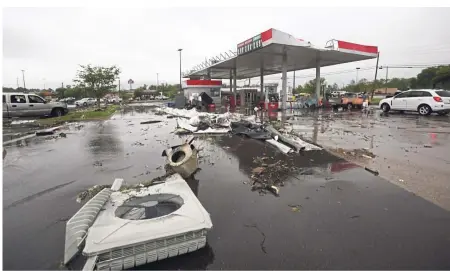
pixel 49 131
pixel 122 230
pixel 151 121
pixel 295 207
pixel 283 148
pixel 374 172
pixel 183 159
pixel 21 121
pixel 401 180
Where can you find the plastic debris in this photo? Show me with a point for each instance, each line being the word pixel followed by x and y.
pixel 151 121
pixel 374 172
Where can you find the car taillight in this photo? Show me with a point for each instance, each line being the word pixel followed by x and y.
pixel 437 99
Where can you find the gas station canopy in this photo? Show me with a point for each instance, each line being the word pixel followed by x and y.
pixel 265 54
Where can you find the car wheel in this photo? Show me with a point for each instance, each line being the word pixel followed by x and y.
pixel 385 107
pixel 349 106
pixel 442 113
pixel 57 112
pixel 424 110
pixel 85 104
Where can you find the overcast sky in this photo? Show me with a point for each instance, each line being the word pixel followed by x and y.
pixel 49 43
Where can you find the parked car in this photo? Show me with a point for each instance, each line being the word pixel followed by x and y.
pixel 30 105
pixel 396 93
pixel 347 100
pixel 114 100
pixel 161 97
pixel 86 102
pixel 424 101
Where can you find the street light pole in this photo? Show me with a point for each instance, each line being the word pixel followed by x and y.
pixel 23 78
pixel 179 50
pixel 157 81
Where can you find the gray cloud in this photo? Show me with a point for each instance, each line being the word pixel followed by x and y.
pixel 50 42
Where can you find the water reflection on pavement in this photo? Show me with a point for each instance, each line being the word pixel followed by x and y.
pixel 345 217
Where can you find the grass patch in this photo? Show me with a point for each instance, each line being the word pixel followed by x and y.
pixel 376 101
pixel 82 115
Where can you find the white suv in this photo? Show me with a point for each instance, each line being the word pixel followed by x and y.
pixel 424 101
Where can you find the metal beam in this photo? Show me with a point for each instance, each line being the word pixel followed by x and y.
pixel 318 86
pixel 284 82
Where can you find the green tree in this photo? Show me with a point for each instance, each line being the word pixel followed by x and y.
pixel 310 86
pixel 138 92
pixel 442 77
pixel 97 80
pixel 425 77
pixel 60 92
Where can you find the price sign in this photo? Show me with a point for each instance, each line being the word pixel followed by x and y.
pixel 249 45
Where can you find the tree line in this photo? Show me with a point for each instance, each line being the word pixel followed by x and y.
pixel 97 81
pixel 433 77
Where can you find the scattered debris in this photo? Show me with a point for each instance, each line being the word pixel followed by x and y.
pixel 90 193
pixel 355 216
pixel 97 164
pixel 295 207
pixel 258 170
pixel 428 146
pixel 151 121
pixel 275 190
pixel 21 121
pixel 374 172
pixel 137 143
pixel 401 180
pixel 183 158
pixel 63 135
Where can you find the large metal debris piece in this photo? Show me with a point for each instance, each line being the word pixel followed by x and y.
pixel 183 159
pixel 77 226
pixel 144 225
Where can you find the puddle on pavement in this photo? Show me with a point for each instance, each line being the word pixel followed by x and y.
pixel 95 153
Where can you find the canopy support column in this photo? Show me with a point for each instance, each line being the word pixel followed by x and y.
pixel 231 81
pixel 318 86
pixel 284 81
pixel 234 84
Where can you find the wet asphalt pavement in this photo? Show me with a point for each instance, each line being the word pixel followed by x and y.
pixel 344 216
pixel 410 150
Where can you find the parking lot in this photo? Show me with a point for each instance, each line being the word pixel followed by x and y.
pixel 409 150
pixel 345 217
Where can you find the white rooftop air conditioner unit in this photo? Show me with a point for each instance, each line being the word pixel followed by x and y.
pixel 138 226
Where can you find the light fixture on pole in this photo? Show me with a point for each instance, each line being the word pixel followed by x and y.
pixel 179 50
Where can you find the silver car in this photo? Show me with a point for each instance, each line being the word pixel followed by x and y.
pixel 30 105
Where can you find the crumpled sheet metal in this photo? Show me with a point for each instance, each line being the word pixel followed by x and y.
pixel 184 124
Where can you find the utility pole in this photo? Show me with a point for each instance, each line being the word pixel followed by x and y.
pixel 387 70
pixel 376 72
pixel 23 77
pixel 119 88
pixel 17 82
pixel 179 50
